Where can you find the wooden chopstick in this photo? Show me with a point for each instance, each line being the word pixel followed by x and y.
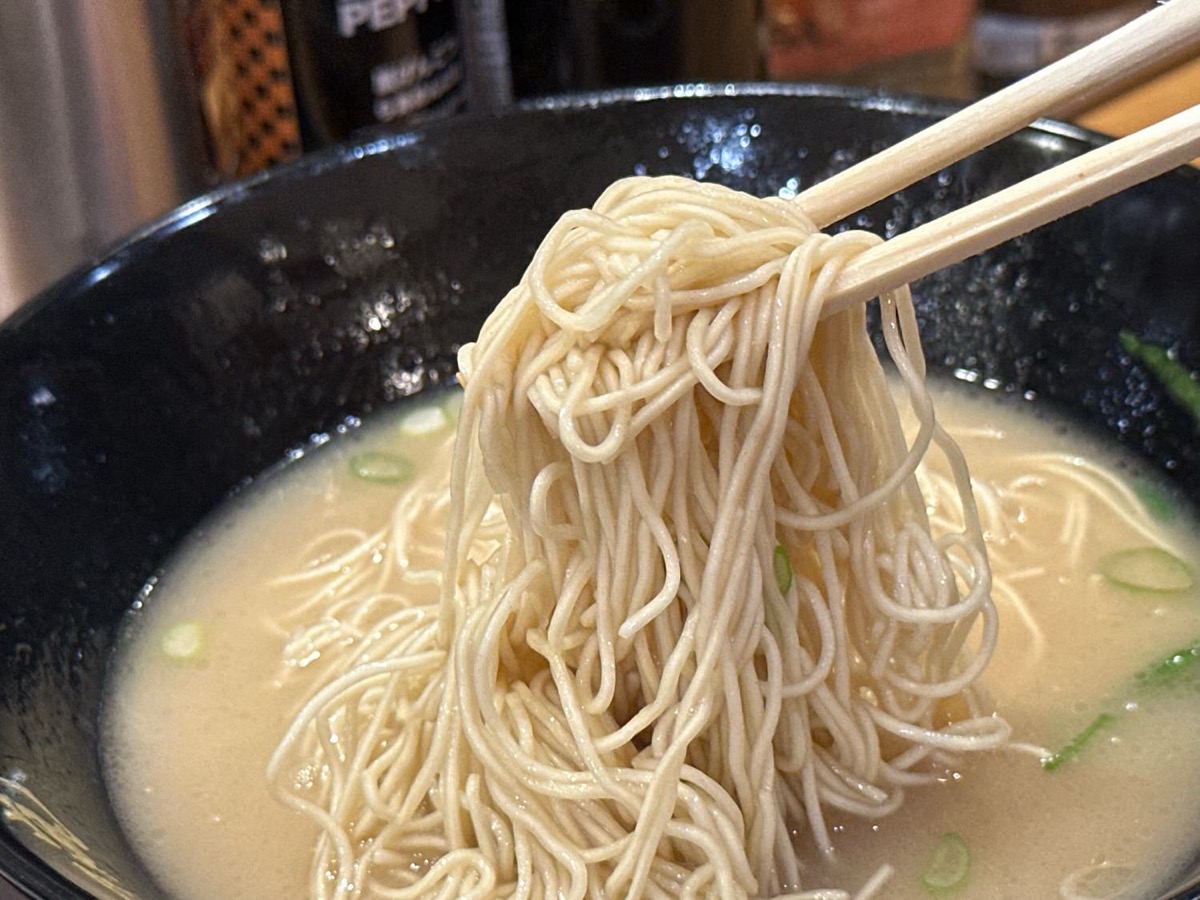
pixel 1017 209
pixel 1141 45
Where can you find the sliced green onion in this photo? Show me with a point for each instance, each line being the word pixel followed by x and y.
pixel 424 420
pixel 949 865
pixel 1156 502
pixel 1149 569
pixel 1077 743
pixel 383 468
pixel 183 640
pixel 1175 378
pixel 1171 668
pixel 783 569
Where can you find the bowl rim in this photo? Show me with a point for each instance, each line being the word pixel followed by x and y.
pixel 385 139
pixel 20 867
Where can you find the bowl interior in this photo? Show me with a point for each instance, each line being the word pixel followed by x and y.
pixel 140 391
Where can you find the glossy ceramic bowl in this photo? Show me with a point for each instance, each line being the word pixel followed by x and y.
pixel 140 391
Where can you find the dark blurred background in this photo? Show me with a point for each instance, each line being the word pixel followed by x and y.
pixel 114 111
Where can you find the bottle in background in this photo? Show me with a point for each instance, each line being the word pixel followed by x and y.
pixel 1013 38
pixel 484 29
pixel 578 45
pixel 538 34
pixel 275 77
pixel 358 63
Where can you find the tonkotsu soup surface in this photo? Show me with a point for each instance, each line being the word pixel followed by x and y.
pixel 202 691
pixel 203 688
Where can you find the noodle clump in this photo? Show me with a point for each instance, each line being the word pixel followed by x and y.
pixel 690 597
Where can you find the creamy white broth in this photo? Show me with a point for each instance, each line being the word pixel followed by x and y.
pixel 187 739
pixel 1125 806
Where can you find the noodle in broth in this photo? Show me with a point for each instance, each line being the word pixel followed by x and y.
pixel 616 695
pixel 187 740
pixel 688 618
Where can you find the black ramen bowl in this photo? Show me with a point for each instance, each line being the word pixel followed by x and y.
pixel 137 393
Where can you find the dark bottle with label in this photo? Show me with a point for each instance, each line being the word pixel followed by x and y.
pixel 359 63
pixel 272 78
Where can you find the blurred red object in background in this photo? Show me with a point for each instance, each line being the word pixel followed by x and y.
pixel 816 38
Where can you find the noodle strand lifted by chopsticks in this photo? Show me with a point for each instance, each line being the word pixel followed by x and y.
pixel 616 694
